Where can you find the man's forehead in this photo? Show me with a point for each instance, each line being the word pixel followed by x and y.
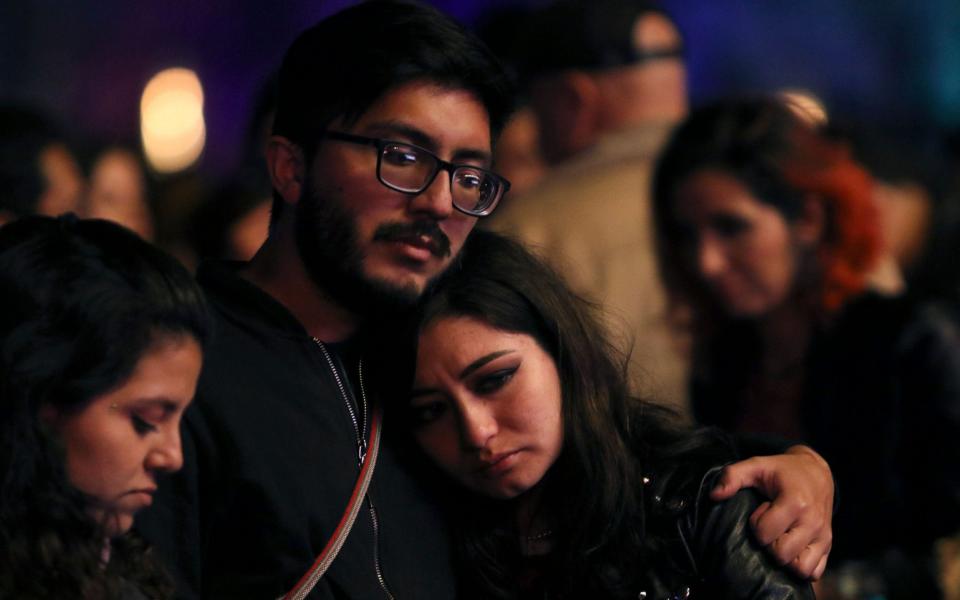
pixel 419 111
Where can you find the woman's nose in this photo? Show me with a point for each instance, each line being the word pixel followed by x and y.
pixel 167 454
pixel 478 425
pixel 711 260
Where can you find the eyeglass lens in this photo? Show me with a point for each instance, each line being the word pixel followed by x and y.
pixel 408 169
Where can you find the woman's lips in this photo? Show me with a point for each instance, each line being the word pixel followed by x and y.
pixel 498 464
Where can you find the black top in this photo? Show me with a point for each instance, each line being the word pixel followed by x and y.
pixel 270 460
pixel 881 403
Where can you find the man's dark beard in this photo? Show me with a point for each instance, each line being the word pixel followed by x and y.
pixel 326 238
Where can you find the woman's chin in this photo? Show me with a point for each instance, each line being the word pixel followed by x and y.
pixel 115 524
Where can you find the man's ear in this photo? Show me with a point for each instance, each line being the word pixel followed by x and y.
pixel 809 226
pixel 582 96
pixel 287 167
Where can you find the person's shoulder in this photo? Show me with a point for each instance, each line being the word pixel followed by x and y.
pixel 678 462
pixel 726 557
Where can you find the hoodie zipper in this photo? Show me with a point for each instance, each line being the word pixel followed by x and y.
pixel 361 451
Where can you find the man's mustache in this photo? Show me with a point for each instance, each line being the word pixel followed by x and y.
pixel 416 232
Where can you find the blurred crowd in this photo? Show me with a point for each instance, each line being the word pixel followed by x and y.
pixel 768 269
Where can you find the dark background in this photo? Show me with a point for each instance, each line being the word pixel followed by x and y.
pixel 895 63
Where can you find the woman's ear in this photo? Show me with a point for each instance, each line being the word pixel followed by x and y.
pixel 809 226
pixel 287 168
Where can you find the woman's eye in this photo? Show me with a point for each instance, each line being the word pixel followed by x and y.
pixel 494 381
pixel 141 425
pixel 729 226
pixel 427 413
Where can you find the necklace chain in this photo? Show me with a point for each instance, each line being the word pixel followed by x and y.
pixel 540 535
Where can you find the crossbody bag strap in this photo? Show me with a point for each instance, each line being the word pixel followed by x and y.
pixel 336 541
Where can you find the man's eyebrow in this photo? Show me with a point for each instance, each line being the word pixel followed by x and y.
pixel 419 138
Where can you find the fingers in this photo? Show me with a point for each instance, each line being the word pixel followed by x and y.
pixel 780 516
pixel 812 561
pixel 795 535
pixel 757 516
pixel 744 474
pixel 821 567
pixel 793 549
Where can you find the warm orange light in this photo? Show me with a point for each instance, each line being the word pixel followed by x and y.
pixel 171 120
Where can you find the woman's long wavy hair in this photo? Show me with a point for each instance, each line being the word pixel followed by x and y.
pixel 595 489
pixel 784 162
pixel 82 302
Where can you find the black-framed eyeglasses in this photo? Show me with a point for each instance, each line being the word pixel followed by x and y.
pixel 411 169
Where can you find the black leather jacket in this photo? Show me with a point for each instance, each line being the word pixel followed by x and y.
pixel 716 555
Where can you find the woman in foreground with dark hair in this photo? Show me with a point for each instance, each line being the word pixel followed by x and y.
pixel 569 488
pixel 100 349
pixel 767 234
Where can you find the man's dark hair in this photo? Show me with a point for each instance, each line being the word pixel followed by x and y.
pixel 339 67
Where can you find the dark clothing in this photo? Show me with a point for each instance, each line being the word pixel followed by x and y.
pixel 720 557
pixel 271 457
pixel 881 403
pixel 692 546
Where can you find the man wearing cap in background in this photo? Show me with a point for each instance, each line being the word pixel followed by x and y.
pixel 607 82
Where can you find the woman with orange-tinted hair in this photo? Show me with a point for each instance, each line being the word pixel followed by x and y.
pixel 767 233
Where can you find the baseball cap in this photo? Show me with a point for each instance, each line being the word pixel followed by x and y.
pixel 590 35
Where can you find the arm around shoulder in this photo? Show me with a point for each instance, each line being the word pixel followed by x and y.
pixel 728 557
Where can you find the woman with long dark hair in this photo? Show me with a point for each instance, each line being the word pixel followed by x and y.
pixel 101 339
pixel 569 487
pixel 768 233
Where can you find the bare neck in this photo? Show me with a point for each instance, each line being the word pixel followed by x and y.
pixel 278 270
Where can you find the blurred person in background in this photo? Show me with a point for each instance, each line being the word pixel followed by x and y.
pixel 118 191
pixel 607 82
pixel 767 233
pixel 232 222
pixel 517 154
pixel 38 172
pixel 100 350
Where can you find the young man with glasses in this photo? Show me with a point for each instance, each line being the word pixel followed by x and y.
pixel 386 117
pixel 380 168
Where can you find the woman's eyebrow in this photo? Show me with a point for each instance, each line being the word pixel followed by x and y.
pixel 482 361
pixel 486 358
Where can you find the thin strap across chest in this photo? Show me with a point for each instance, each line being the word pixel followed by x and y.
pixel 339 537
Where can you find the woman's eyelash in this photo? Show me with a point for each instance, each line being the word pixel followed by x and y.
pixel 427 413
pixel 141 425
pixel 496 380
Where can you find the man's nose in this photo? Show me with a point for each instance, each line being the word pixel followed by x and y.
pixel 437 200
